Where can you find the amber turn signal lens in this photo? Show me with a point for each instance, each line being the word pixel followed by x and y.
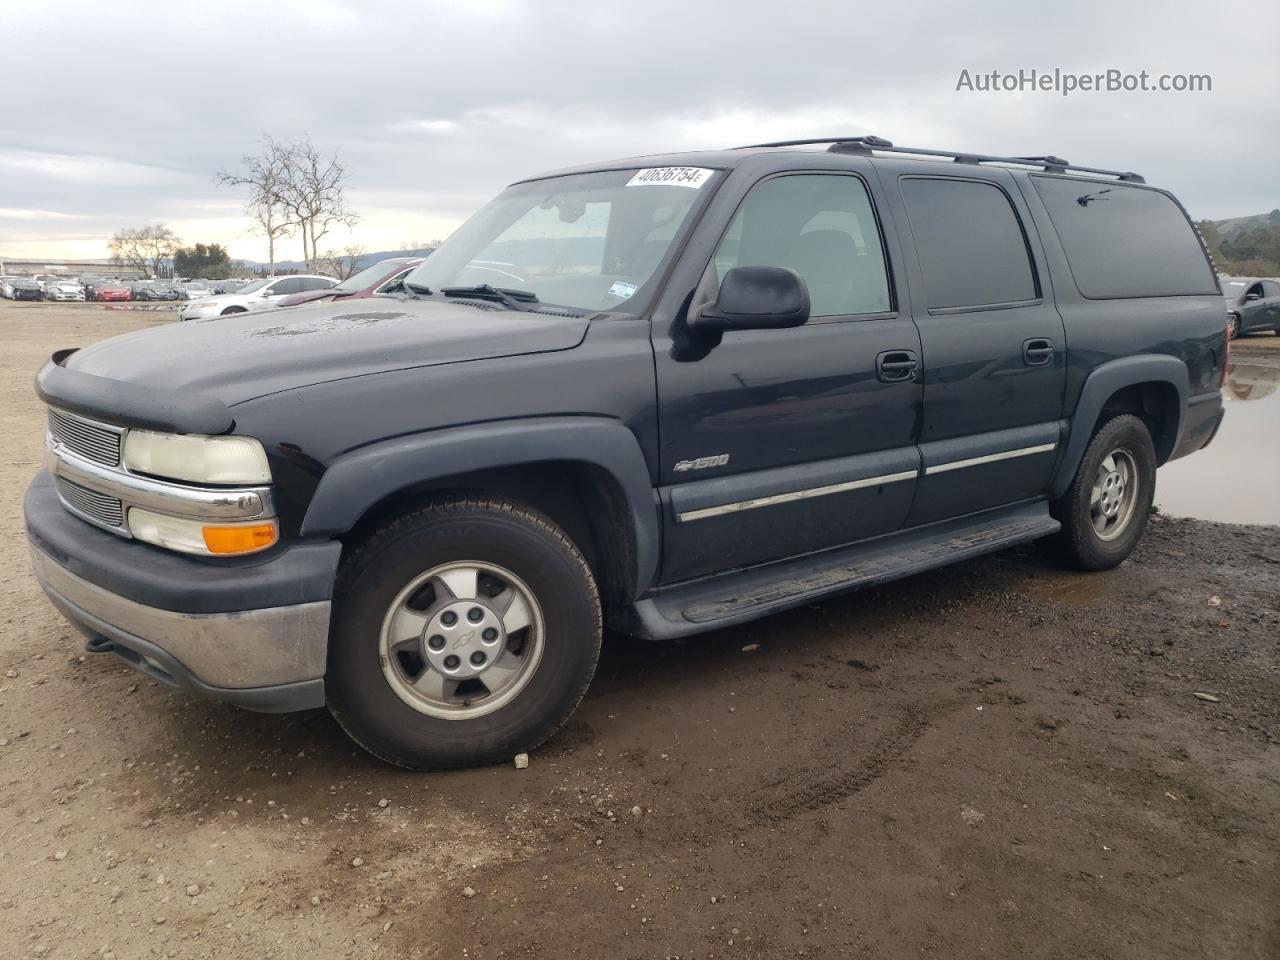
pixel 240 538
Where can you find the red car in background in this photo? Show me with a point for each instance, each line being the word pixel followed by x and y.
pixel 113 291
pixel 382 277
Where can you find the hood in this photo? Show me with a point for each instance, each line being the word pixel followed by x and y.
pixel 246 355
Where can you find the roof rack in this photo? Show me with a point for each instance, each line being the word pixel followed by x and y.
pixel 867 144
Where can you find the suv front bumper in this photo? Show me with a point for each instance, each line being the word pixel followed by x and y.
pixel 254 633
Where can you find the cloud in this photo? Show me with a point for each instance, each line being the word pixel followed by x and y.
pixel 124 118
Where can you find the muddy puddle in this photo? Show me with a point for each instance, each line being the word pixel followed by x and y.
pixel 1237 478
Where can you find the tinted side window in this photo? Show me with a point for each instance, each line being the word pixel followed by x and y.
pixel 821 226
pixel 1271 288
pixel 1125 241
pixel 387 285
pixel 314 283
pixel 289 285
pixel 970 243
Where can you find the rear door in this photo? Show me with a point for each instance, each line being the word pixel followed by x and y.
pixel 993 345
pixel 776 443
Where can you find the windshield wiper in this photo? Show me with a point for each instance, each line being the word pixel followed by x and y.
pixel 417 288
pixel 511 299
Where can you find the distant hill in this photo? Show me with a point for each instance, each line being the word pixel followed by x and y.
pixel 1232 227
pixel 1245 246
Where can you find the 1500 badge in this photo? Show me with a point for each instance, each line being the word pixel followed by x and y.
pixel 702 463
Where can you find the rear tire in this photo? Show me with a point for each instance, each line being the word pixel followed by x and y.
pixel 1105 510
pixel 413 659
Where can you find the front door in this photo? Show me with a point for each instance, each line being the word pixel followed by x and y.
pixel 993 342
pixel 776 443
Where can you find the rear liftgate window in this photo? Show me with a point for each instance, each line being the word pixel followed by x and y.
pixel 1125 241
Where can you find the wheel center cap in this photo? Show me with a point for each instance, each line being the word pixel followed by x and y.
pixel 463 638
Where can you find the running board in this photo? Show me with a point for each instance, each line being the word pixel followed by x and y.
pixel 744 595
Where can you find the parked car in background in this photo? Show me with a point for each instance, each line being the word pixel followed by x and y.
pixel 382 277
pixel 25 288
pixel 112 290
pixel 259 295
pixel 91 284
pixel 1253 304
pixel 229 286
pixel 196 290
pixel 155 290
pixel 44 279
pixel 65 290
pixel 6 287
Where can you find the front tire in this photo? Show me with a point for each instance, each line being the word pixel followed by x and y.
pixel 464 633
pixel 1105 510
pixel 1233 326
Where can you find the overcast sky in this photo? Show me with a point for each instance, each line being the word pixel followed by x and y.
pixel 120 114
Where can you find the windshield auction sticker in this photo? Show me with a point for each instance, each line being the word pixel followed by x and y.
pixel 671 177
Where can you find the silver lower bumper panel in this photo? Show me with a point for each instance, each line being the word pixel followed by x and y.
pixel 244 649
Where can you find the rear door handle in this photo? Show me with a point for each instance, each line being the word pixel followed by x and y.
pixel 1037 351
pixel 897 366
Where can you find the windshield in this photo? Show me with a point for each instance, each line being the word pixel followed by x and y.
pixel 1232 288
pixel 591 241
pixel 366 277
pixel 256 285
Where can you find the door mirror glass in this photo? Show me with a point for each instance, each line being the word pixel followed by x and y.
pixel 756 298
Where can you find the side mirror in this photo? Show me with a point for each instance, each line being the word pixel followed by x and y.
pixel 755 298
pixel 1252 296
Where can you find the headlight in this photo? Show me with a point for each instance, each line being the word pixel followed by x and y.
pixel 195 458
pixel 200 536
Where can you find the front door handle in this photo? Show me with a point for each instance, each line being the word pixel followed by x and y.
pixel 1037 351
pixel 897 366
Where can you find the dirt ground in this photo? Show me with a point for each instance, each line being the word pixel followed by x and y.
pixel 1001 759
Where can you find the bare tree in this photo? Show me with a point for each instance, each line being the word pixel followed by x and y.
pixel 342 264
pixel 143 248
pixel 314 193
pixel 266 175
pixel 126 250
pixel 293 186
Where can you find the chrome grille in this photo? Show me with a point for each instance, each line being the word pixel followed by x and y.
pixel 93 441
pixel 96 506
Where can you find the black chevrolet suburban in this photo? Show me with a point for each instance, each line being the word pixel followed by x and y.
pixel 669 394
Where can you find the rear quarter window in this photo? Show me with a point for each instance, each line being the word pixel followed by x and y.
pixel 1124 241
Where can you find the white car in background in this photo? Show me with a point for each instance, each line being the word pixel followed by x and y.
pixel 195 290
pixel 258 295
pixel 64 291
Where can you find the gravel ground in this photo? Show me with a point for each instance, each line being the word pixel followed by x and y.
pixel 1001 759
